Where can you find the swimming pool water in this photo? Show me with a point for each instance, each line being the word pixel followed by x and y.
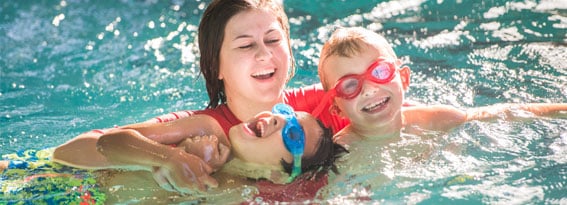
pixel 70 66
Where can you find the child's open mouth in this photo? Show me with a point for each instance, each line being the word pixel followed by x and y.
pixel 255 128
pixel 264 74
pixel 377 106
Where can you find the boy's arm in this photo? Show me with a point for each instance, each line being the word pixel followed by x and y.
pixel 208 148
pixel 178 170
pixel 444 117
pixel 81 151
pixel 434 117
pixel 515 111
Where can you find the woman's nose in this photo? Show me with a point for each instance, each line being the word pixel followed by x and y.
pixel 263 53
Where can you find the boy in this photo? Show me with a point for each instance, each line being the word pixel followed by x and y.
pixel 257 142
pixel 257 148
pixel 366 82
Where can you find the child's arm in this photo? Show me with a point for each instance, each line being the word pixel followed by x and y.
pixel 208 148
pixel 180 171
pixel 444 117
pixel 4 165
pixel 515 111
pixel 434 117
pixel 81 151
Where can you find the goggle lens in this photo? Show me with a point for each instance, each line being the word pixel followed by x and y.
pixel 350 86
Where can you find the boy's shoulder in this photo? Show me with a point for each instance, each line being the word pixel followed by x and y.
pixel 346 137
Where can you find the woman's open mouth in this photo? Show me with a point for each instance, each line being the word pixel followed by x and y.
pixel 262 75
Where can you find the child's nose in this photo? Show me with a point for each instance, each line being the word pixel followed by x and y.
pixel 369 89
pixel 274 123
pixel 277 120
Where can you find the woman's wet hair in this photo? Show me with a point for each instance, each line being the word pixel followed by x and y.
pixel 325 156
pixel 211 35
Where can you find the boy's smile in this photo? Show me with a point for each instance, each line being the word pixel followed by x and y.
pixel 377 106
pixel 378 102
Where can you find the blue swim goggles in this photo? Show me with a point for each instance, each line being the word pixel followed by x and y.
pixel 293 136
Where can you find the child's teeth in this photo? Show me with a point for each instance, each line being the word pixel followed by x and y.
pixel 372 106
pixel 261 128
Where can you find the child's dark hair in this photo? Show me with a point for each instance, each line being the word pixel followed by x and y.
pixel 324 158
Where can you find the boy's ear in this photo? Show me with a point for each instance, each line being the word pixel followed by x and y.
pixel 405 77
pixel 335 110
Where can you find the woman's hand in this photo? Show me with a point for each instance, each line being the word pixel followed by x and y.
pixel 207 148
pixel 184 173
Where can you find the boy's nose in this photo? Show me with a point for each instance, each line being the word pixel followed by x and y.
pixel 369 88
pixel 278 120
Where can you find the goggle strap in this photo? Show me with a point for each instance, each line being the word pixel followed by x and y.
pixel 296 170
pixel 325 103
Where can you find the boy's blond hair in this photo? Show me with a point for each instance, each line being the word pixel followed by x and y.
pixel 347 42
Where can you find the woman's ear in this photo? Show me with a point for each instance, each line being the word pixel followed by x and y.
pixel 405 77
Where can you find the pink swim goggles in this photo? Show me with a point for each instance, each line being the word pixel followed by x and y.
pixel 349 86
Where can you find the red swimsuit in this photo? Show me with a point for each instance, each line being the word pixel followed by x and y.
pixel 304 99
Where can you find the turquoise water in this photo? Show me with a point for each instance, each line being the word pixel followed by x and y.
pixel 70 66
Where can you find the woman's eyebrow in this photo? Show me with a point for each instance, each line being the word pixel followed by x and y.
pixel 270 31
pixel 250 36
pixel 241 36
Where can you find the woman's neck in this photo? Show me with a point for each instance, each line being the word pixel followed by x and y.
pixel 244 110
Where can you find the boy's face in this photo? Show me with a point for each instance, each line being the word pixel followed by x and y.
pixel 259 140
pixel 377 104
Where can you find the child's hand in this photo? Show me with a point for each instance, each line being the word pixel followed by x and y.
pixel 184 173
pixel 3 165
pixel 208 148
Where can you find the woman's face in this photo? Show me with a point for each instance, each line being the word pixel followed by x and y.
pixel 254 57
pixel 259 140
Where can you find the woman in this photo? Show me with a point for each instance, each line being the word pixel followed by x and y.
pixel 246 60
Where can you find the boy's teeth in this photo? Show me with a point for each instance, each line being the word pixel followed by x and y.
pixel 260 129
pixel 375 105
pixel 257 128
